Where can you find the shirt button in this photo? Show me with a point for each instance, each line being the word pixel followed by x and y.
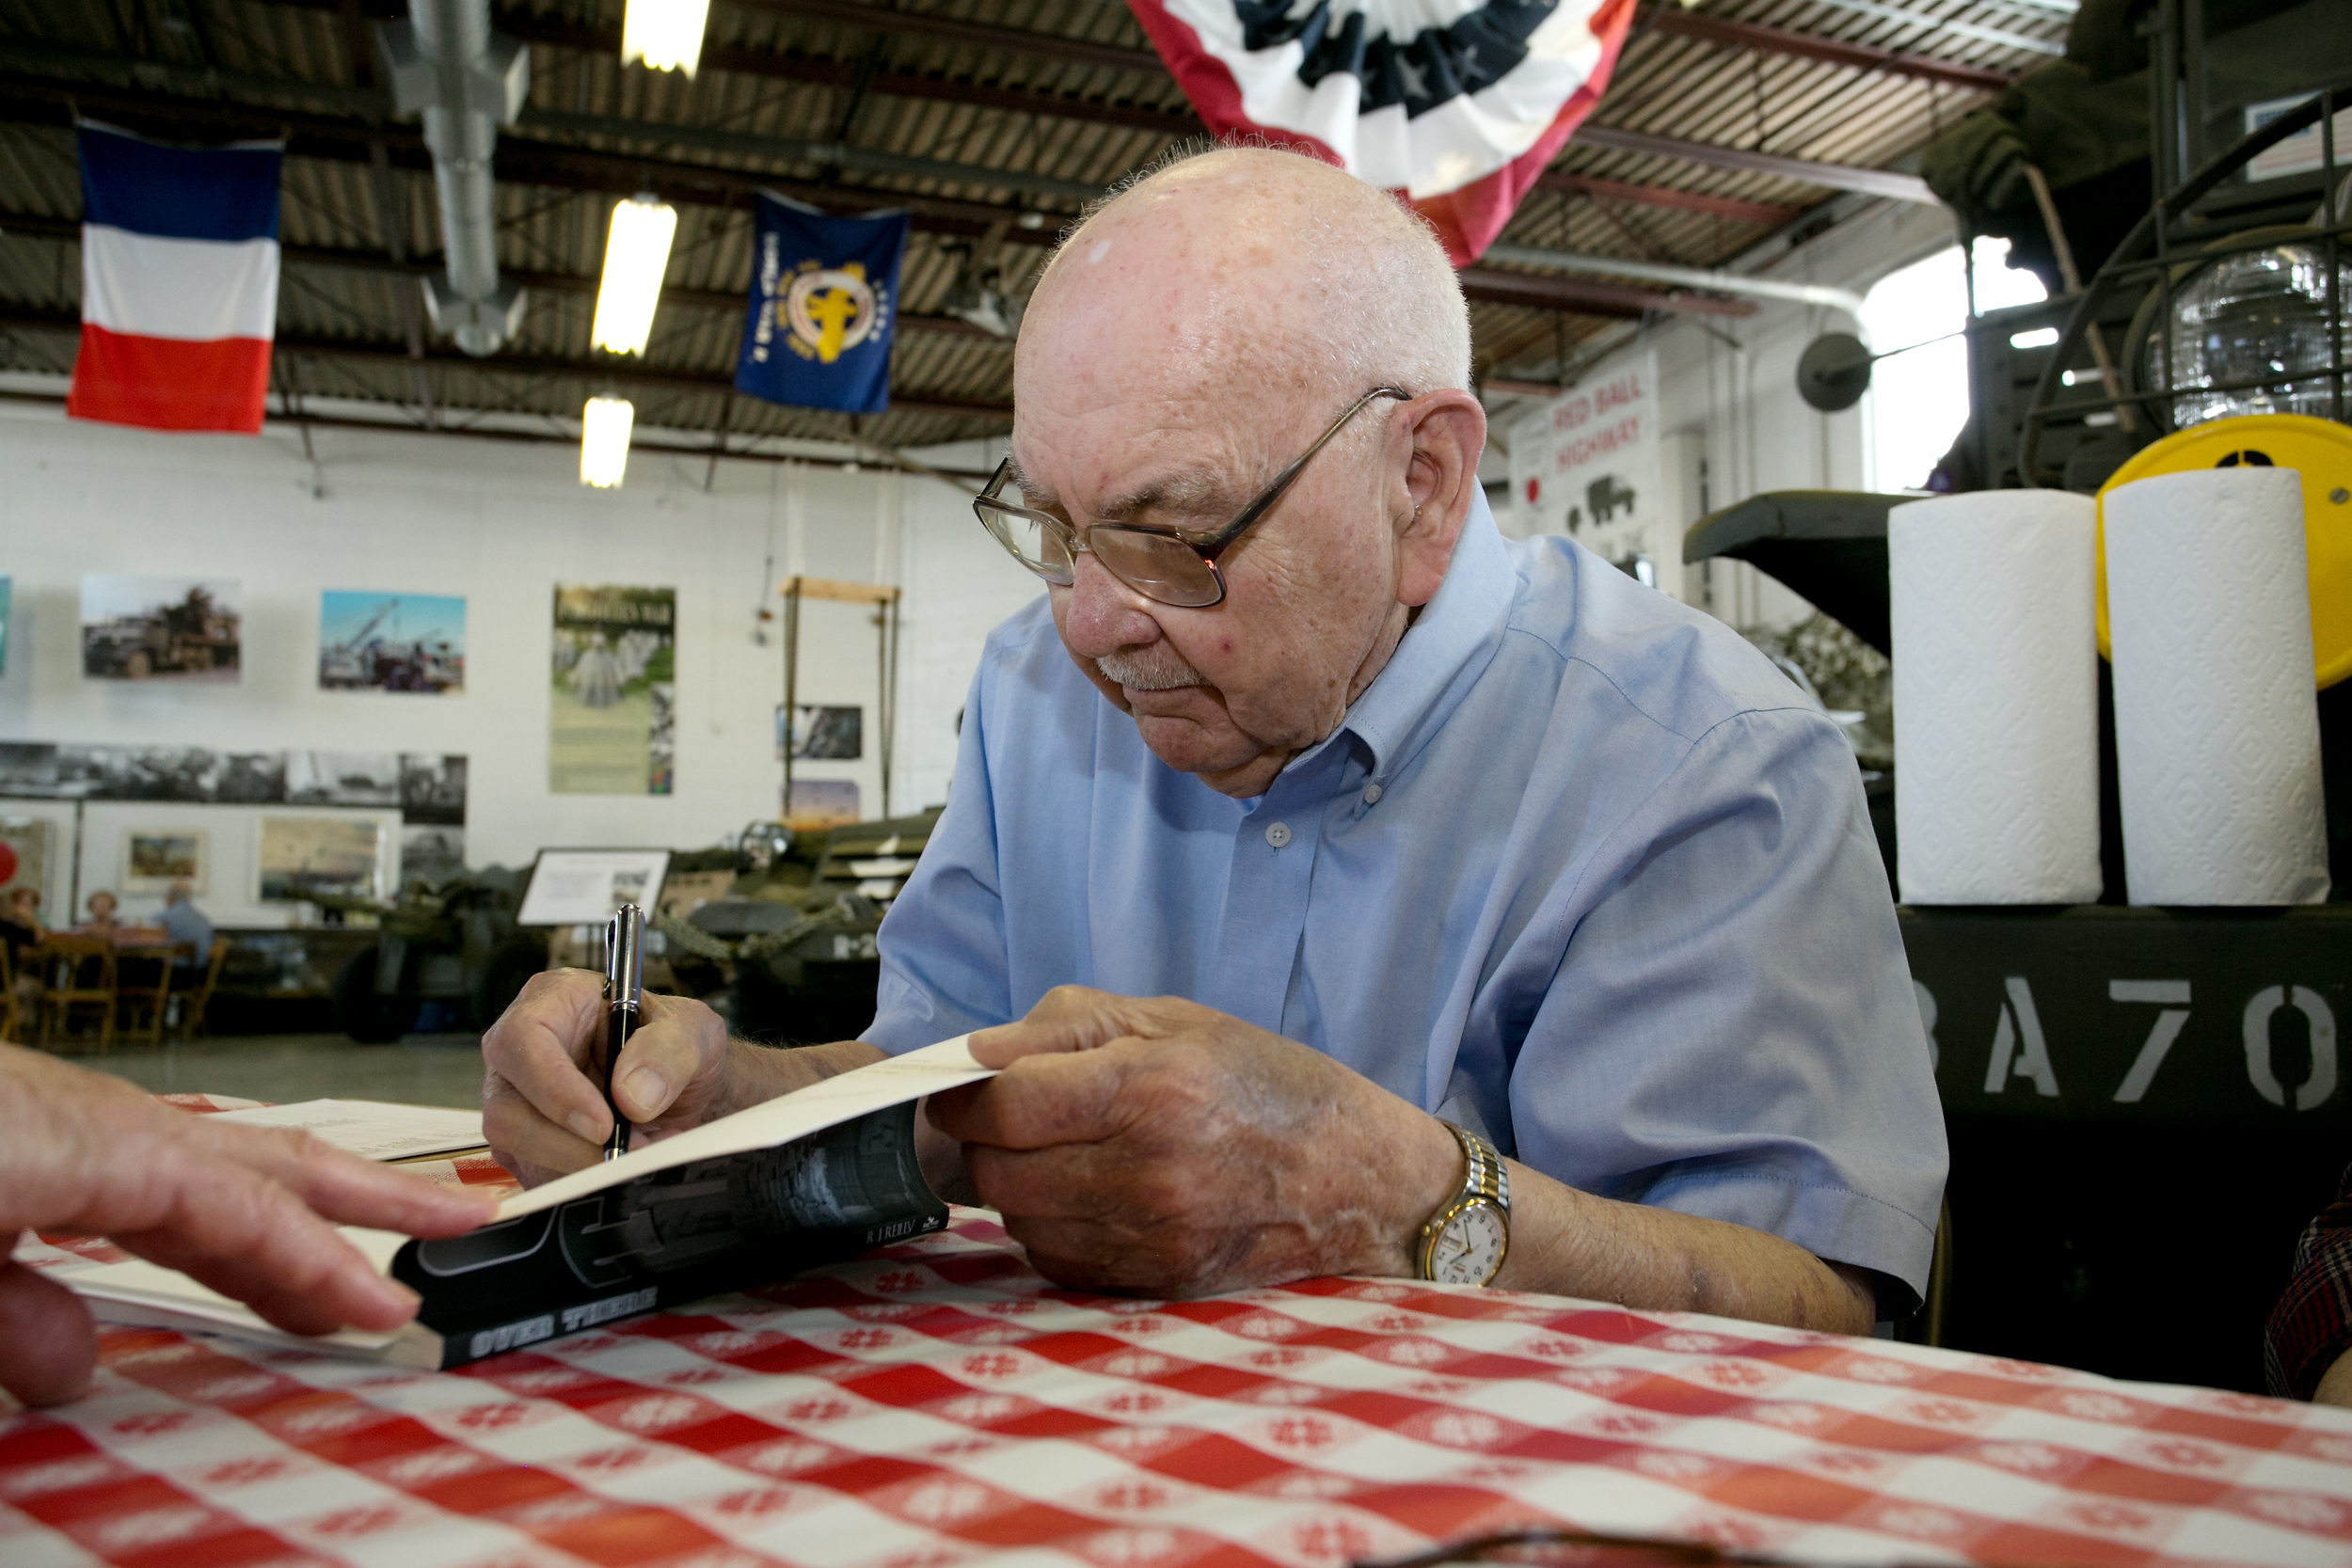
pixel 1279 835
pixel 1372 794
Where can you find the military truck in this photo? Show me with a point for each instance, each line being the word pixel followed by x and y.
pixel 455 942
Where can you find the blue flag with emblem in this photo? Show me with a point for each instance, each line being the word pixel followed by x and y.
pixel 824 297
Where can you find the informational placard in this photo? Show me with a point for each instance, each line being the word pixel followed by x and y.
pixel 582 887
pixel 611 727
pixel 1587 465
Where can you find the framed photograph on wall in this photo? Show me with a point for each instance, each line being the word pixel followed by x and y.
pixel 28 838
pixel 298 858
pixel 154 858
pixel 161 628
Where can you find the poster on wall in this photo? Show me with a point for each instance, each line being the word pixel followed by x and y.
pixel 822 803
pixel 298 858
pixel 823 734
pixel 611 723
pixel 427 787
pixel 343 778
pixel 431 854
pixel 28 838
pixel 372 640
pixel 1587 465
pixel 155 857
pixel 433 788
pixel 184 630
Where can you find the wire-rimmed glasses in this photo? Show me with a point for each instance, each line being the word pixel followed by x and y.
pixel 1160 563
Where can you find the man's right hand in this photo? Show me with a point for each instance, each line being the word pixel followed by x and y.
pixel 543 1111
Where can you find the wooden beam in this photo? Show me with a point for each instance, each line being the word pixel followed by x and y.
pixel 1674 19
pixel 837 591
pixel 720 301
pixel 1887 183
pixel 1666 196
pixel 1582 297
pixel 600 370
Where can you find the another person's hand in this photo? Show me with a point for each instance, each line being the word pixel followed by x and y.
pixel 1164 1147
pixel 542 1109
pixel 236 1207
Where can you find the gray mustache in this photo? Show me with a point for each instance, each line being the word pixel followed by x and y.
pixel 1160 668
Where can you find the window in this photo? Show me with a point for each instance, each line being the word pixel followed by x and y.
pixel 1918 401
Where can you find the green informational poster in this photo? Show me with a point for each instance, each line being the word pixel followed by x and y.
pixel 611 724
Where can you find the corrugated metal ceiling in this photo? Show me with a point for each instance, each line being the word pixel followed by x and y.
pixel 988 119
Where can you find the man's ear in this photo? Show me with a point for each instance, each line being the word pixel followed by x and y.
pixel 1449 434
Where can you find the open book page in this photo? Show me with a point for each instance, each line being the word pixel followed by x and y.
pixel 372 1129
pixel 828 1102
pixel 150 1296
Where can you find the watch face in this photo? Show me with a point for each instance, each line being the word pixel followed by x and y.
pixel 1469 1248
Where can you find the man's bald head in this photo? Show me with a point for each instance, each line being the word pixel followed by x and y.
pixel 1249 261
pixel 1191 339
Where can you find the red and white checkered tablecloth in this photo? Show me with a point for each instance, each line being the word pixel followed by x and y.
pixel 938 1402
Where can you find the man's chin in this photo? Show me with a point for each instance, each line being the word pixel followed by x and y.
pixel 1191 746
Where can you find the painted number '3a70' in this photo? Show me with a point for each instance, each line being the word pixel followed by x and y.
pixel 2021 1049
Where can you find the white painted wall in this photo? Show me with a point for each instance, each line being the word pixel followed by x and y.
pixel 1727 390
pixel 500 524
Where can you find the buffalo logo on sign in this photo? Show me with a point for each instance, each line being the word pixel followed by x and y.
pixel 817 331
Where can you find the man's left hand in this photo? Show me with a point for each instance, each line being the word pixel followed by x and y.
pixel 1160 1147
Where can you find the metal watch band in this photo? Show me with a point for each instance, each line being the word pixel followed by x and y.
pixel 1484 1181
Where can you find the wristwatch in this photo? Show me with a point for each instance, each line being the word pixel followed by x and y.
pixel 1465 1241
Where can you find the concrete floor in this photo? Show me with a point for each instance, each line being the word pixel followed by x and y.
pixel 421 1070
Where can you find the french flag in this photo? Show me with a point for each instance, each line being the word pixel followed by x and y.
pixel 178 282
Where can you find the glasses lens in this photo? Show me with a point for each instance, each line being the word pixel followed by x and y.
pixel 1037 547
pixel 1155 566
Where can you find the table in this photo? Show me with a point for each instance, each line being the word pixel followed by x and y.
pixel 938 1402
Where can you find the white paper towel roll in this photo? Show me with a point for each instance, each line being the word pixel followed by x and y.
pixel 2217 719
pixel 1996 698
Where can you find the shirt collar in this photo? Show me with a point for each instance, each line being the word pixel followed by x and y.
pixel 1448 647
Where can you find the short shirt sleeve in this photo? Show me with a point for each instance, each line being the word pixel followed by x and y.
pixel 1732 1031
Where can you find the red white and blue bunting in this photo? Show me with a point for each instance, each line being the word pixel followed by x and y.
pixel 1456 104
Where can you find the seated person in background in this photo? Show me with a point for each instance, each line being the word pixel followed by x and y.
pixel 242 1209
pixel 187 927
pixel 2304 1350
pixel 1430 845
pixel 20 923
pixel 102 922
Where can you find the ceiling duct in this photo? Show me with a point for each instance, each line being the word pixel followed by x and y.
pixel 466 81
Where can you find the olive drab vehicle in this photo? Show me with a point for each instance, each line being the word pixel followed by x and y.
pixel 455 941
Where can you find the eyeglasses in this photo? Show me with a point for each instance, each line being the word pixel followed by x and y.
pixel 1160 563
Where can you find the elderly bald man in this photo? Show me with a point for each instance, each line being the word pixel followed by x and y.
pixel 1498 910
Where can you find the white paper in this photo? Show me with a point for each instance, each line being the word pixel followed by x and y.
pixel 2217 714
pixel 829 1102
pixel 575 887
pixel 372 1129
pixel 1996 698
pixel 148 1294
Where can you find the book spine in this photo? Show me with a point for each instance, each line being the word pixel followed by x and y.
pixel 724 1224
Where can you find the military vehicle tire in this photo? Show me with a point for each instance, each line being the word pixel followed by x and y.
pixel 359 1012
pixel 511 964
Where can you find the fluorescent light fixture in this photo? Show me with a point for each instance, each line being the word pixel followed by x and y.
pixel 604 427
pixel 636 257
pixel 667 35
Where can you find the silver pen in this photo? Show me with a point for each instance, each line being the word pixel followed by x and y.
pixel 624 995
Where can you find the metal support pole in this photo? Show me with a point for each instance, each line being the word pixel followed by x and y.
pixel 791 680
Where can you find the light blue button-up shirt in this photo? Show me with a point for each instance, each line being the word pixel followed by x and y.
pixel 1578 869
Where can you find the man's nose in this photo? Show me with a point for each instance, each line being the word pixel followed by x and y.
pixel 1105 613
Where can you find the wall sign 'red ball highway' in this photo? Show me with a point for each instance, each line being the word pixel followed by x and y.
pixel 2110 1014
